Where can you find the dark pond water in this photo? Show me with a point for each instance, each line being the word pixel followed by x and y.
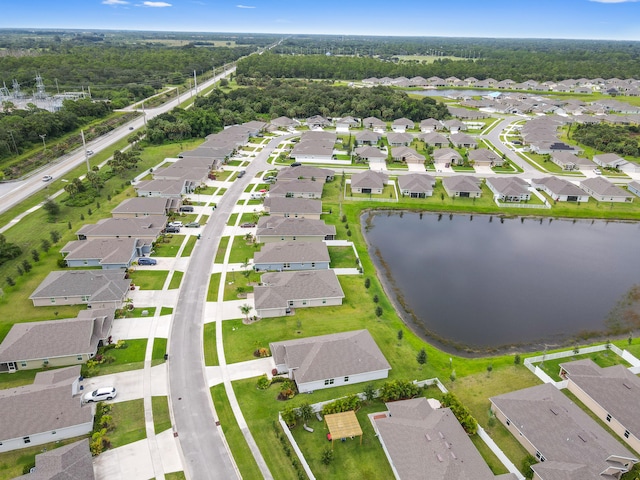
pixel 484 282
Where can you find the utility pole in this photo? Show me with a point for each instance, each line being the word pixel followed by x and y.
pixel 195 82
pixel 44 144
pixel 14 142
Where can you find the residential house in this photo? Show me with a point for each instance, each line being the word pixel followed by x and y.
pixel 282 256
pixel 609 160
pixel 368 137
pixel 560 189
pixel 305 172
pixel 483 157
pixel 446 157
pixel 95 288
pixel 145 206
pixel 408 155
pixel 107 253
pixel 464 186
pixel 317 121
pixel 604 191
pixel 315 151
pixel 374 124
pixel 634 187
pixel 68 462
pixel 416 185
pixel 186 169
pixel 45 411
pixel 345 123
pixel 430 125
pixel 567 442
pixel 370 181
pixel 147 228
pixel 467 114
pixel 281 229
pixel 329 361
pixel 297 188
pixel 462 140
pixel 611 393
pixel 568 161
pixel 284 122
pixel 509 189
pixel 397 139
pixel 371 154
pixel 454 125
pixel 419 437
pixel 434 139
pixel 293 207
pixel 165 188
pixel 55 343
pixel 279 293
pixel 401 125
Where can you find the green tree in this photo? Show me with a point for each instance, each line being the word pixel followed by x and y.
pixel 52 208
pixel 55 236
pixel 421 358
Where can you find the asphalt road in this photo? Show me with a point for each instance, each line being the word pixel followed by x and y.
pixel 205 454
pixel 12 193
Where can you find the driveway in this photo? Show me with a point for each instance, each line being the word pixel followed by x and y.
pixel 416 167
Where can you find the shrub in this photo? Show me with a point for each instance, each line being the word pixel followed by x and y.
pixel 398 390
pixel 327 456
pixel 261 352
pixel 461 412
pixel 263 382
pixel 351 402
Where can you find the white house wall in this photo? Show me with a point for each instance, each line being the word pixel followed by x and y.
pixel 47 437
pixel 337 382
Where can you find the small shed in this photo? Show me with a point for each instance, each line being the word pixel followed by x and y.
pixel 343 425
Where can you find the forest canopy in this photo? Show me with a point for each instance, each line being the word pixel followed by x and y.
pixel 608 138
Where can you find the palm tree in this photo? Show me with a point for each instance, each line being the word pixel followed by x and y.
pixel 246 310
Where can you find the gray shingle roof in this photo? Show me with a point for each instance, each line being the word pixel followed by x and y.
pixel 163 187
pixel 297 187
pixel 69 462
pixel 559 186
pixel 330 356
pixel 483 155
pixel 370 152
pixel 614 388
pixel 140 227
pixel 560 431
pixel 462 183
pixel 142 205
pixel 301 206
pixel 369 179
pixel 447 154
pixel 45 405
pixel 278 288
pixel 274 226
pixel 292 252
pixel 57 338
pixel 604 187
pixel 397 137
pixel 306 172
pixel 509 186
pixel 420 439
pixel 99 285
pixel 107 250
pixel 416 182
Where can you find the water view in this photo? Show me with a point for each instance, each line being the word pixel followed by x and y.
pixel 488 282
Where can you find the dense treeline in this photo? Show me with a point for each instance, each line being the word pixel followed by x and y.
pixel 609 138
pixel 121 73
pixel 21 129
pixel 518 65
pixel 294 99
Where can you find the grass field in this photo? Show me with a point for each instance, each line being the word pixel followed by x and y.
pixel 342 257
pixel 214 285
pixel 129 358
pixel 161 417
pixel 149 279
pixel 159 349
pixel 168 245
pixel 176 279
pixel 209 345
pixel 188 249
pixel 128 417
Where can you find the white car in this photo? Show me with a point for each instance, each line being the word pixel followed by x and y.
pixel 47 178
pixel 104 393
pixel 175 224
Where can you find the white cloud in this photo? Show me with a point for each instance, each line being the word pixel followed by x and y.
pixel 245 6
pixel 156 4
pixel 613 1
pixel 114 2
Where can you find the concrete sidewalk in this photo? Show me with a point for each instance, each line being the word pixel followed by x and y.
pixel 241 370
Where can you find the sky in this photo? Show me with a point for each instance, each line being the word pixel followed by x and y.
pixel 577 19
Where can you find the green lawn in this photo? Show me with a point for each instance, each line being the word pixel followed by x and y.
pixel 168 245
pixel 166 311
pixel 149 279
pixel 237 284
pixel 159 349
pixel 342 257
pixel 242 251
pixel 188 248
pixel 139 312
pixel 237 443
pixel 175 476
pixel 222 249
pixel 128 418
pixel 209 345
pixel 129 358
pixel 176 279
pixel 214 285
pixel 604 359
pixel 161 417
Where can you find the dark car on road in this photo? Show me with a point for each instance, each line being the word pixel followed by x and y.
pixel 241 173
pixel 147 261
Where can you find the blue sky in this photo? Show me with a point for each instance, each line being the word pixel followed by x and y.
pixel 588 19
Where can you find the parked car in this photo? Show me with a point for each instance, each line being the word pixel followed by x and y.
pixel 176 223
pixel 47 178
pixel 170 229
pixel 248 225
pixel 147 261
pixel 104 393
pixel 186 208
pixel 296 164
pixel 241 173
pixel 192 225
pixel 597 171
